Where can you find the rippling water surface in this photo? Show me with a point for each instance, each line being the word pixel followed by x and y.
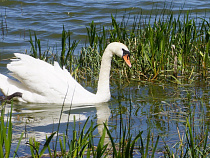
pixel 160 106
pixel 47 18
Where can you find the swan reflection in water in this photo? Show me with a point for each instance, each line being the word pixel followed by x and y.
pixel 42 119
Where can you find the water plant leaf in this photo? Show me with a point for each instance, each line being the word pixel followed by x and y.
pixel 154 149
pixel 46 144
pixel 138 136
pixel 147 144
pixel 191 141
pixel 112 141
pixel 101 148
pixel 21 136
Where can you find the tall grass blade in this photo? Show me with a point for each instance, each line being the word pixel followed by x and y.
pixel 133 143
pixel 147 144
pixel 112 141
pixel 46 144
pixel 21 137
pixel 191 141
pixel 101 148
pixel 154 149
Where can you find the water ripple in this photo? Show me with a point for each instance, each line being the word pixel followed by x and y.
pixel 47 18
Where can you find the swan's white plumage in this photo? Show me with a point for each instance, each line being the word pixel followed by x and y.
pixel 41 82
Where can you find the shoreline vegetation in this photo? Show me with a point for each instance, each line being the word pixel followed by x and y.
pixel 171 49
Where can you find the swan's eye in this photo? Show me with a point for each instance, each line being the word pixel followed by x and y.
pixel 126 53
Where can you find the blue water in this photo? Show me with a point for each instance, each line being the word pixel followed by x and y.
pixel 47 18
pixel 157 106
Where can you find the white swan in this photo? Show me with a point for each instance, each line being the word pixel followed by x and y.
pixel 41 82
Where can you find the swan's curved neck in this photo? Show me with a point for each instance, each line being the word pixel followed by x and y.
pixel 103 83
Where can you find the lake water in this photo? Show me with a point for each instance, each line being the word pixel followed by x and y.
pixel 160 107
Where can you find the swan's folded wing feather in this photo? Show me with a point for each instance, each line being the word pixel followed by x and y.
pixel 50 82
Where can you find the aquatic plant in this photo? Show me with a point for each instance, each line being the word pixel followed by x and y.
pixel 35 146
pixel 6 134
pixel 82 144
pixel 190 144
pixel 167 49
pixel 3 25
pixel 164 49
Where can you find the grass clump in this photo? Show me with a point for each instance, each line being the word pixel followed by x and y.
pixel 168 47
pixel 190 144
pixel 35 146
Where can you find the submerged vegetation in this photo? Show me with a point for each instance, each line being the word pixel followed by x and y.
pixel 174 49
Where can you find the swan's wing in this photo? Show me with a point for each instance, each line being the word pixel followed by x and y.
pixel 9 86
pixel 49 82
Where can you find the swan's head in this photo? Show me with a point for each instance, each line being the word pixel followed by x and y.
pixel 120 50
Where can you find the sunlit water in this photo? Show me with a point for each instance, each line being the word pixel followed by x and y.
pixel 160 107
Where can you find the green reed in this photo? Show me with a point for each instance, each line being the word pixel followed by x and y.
pixel 168 48
pixel 191 144
pixel 6 134
pixel 151 45
pixel 35 146
pixel 67 53
pixel 36 47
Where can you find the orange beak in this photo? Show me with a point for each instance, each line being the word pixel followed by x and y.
pixel 127 60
